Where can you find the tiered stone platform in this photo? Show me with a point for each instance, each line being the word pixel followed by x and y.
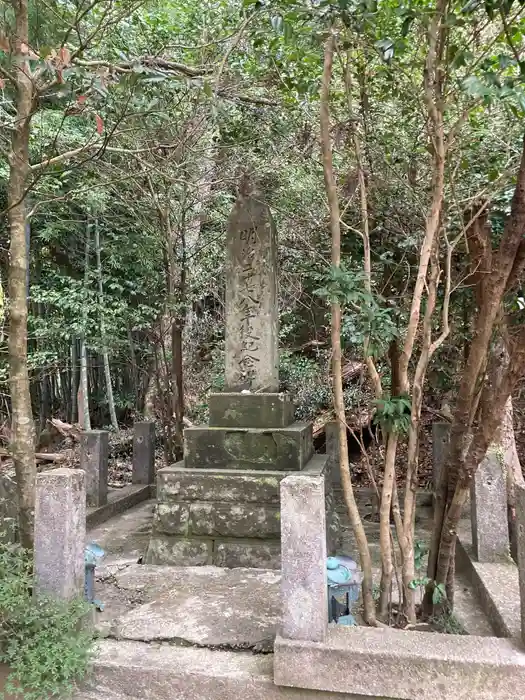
pixel 220 505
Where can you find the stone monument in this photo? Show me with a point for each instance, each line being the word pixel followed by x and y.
pixel 221 505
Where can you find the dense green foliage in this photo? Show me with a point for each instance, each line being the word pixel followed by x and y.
pixel 46 644
pixel 159 179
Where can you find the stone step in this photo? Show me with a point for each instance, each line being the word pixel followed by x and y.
pixel 138 671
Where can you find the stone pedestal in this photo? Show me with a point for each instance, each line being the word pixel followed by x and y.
pixel 221 505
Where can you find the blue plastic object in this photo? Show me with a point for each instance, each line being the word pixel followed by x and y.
pixel 344 582
pixel 92 556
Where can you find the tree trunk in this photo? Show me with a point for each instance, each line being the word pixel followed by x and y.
pixel 74 381
pixel 83 390
pixel 385 543
pixel 22 430
pixel 346 481
pixel 105 354
pixel 468 445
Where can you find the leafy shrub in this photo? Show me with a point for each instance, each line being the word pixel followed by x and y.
pixel 306 382
pixel 46 643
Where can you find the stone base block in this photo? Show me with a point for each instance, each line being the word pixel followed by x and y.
pixel 172 551
pixel 225 517
pixel 249 554
pixel 228 553
pixel 278 449
pixel 235 410
pixel 177 483
pixel 212 519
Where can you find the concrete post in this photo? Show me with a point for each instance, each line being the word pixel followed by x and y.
pixel 60 533
pixel 489 521
pixel 143 452
pixel 94 451
pixel 520 536
pixel 303 558
pixel 440 436
pixel 331 431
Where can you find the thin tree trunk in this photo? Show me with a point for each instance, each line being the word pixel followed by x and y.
pixel 134 368
pixel 83 389
pixel 346 481
pixel 385 542
pixel 365 234
pixel 105 354
pixel 74 380
pixel 22 429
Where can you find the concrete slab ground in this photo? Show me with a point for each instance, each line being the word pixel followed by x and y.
pixel 198 606
pixel 138 671
pixel 203 633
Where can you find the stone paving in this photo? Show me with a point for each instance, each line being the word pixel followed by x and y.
pixel 209 606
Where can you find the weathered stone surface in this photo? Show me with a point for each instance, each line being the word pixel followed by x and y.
pixel 60 533
pixel 284 449
pixel 303 557
pixel 119 500
pixel 319 465
pixel 143 471
pixel 333 523
pixel 209 606
pixel 8 507
pixel 165 549
pixel 258 555
pixel 230 486
pixel 172 518
pixel 403 665
pixel 234 520
pixel 235 410
pixel 440 437
pixel 520 536
pixel 217 520
pixel 333 472
pixel 94 452
pixel 490 532
pixel 496 587
pixel 252 316
pixel 139 671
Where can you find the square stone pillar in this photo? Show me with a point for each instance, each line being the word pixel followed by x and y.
pixel 489 521
pixel 520 536
pixel 94 452
pixel 331 431
pixel 143 452
pixel 60 533
pixel 440 437
pixel 303 558
pixel 252 310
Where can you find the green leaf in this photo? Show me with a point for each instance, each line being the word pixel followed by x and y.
pixel 473 86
